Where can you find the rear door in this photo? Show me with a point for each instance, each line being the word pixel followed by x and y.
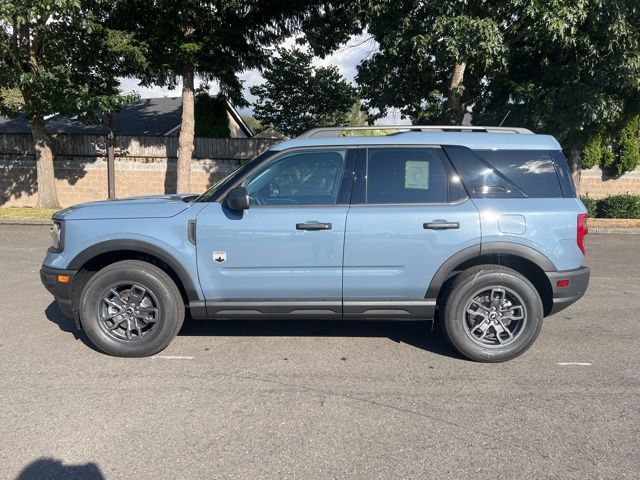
pixel 409 214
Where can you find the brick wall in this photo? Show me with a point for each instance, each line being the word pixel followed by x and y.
pixel 597 184
pixel 83 179
pixel 144 166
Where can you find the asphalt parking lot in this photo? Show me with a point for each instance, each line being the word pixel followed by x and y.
pixel 312 400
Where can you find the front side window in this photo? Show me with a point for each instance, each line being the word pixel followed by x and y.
pixel 405 175
pixel 310 177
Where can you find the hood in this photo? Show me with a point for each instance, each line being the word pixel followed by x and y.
pixel 155 206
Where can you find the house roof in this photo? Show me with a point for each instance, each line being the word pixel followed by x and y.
pixel 148 116
pixel 270 132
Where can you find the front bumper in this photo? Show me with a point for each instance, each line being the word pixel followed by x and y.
pixel 565 296
pixel 61 291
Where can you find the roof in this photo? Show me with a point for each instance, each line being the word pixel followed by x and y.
pixel 270 132
pixel 473 140
pixel 148 116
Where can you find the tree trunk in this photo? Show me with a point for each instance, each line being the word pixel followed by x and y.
pixel 454 99
pixel 575 163
pixel 187 129
pixel 47 194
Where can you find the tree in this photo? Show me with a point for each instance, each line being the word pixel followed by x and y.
pixel 567 68
pixel 432 55
pixel 297 96
pixel 212 40
pixel 573 70
pixel 54 58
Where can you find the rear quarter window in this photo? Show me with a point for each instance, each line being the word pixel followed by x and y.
pixel 532 171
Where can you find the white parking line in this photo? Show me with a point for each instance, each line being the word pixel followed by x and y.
pixel 172 357
pixel 582 364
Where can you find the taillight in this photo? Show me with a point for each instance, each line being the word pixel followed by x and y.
pixel 583 229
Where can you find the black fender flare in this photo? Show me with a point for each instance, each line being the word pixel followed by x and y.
pixel 504 248
pixel 143 247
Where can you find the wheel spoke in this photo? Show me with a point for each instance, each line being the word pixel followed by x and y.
pixel 501 329
pixel 115 325
pixel 136 295
pixel 514 313
pixel 497 296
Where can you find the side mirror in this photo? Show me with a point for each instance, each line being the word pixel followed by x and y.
pixel 237 199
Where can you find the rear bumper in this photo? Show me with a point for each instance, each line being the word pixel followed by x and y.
pixel 565 296
pixel 61 291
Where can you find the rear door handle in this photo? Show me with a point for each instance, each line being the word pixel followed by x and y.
pixel 440 225
pixel 313 226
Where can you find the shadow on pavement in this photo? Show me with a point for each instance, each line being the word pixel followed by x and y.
pixel 67 325
pixel 49 468
pixel 414 333
pixel 417 334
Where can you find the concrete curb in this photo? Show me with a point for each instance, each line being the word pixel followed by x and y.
pixel 24 221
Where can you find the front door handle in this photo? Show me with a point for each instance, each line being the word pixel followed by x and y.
pixel 440 225
pixel 313 226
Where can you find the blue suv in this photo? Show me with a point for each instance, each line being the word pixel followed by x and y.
pixel 476 227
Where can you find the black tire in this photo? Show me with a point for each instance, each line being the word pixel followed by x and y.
pixel 149 331
pixel 480 336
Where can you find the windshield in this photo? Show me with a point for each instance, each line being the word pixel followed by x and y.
pixel 230 179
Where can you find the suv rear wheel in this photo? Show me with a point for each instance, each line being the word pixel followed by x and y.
pixel 492 313
pixel 131 309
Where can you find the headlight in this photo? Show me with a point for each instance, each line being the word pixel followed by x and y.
pixel 56 237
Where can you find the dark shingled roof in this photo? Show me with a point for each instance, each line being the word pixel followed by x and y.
pixel 148 116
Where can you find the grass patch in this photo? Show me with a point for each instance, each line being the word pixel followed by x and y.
pixel 25 212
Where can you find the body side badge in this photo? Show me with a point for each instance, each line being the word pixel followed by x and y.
pixel 219 257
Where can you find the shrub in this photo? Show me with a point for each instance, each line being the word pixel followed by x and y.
pixel 591 204
pixel 592 152
pixel 628 150
pixel 619 206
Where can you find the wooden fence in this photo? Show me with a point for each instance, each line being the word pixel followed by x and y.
pixel 137 146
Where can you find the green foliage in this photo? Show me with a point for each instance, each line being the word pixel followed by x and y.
pixel 357 117
pixel 620 206
pixel 591 204
pixel 592 152
pixel 297 96
pixel 629 148
pixel 211 116
pixel 620 153
pixel 254 124
pixel 572 70
pixel 60 60
pixel 217 39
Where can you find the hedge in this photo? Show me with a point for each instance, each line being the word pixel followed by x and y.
pixel 614 206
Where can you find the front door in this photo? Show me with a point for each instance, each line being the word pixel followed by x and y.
pixel 410 217
pixel 284 254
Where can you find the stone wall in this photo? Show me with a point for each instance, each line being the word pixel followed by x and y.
pixel 598 184
pixel 83 179
pixel 143 166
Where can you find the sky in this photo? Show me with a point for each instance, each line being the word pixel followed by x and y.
pixel 345 58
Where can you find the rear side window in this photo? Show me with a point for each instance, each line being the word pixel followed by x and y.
pixel 479 177
pixel 405 175
pixel 532 171
pixel 512 173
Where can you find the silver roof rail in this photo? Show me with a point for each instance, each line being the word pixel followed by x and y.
pixel 337 131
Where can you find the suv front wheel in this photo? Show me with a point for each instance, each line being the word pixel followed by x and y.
pixel 492 313
pixel 131 309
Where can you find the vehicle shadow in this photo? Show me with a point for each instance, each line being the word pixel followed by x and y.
pixel 52 468
pixel 419 334
pixel 67 325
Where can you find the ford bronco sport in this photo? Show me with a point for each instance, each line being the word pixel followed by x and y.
pixel 478 227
